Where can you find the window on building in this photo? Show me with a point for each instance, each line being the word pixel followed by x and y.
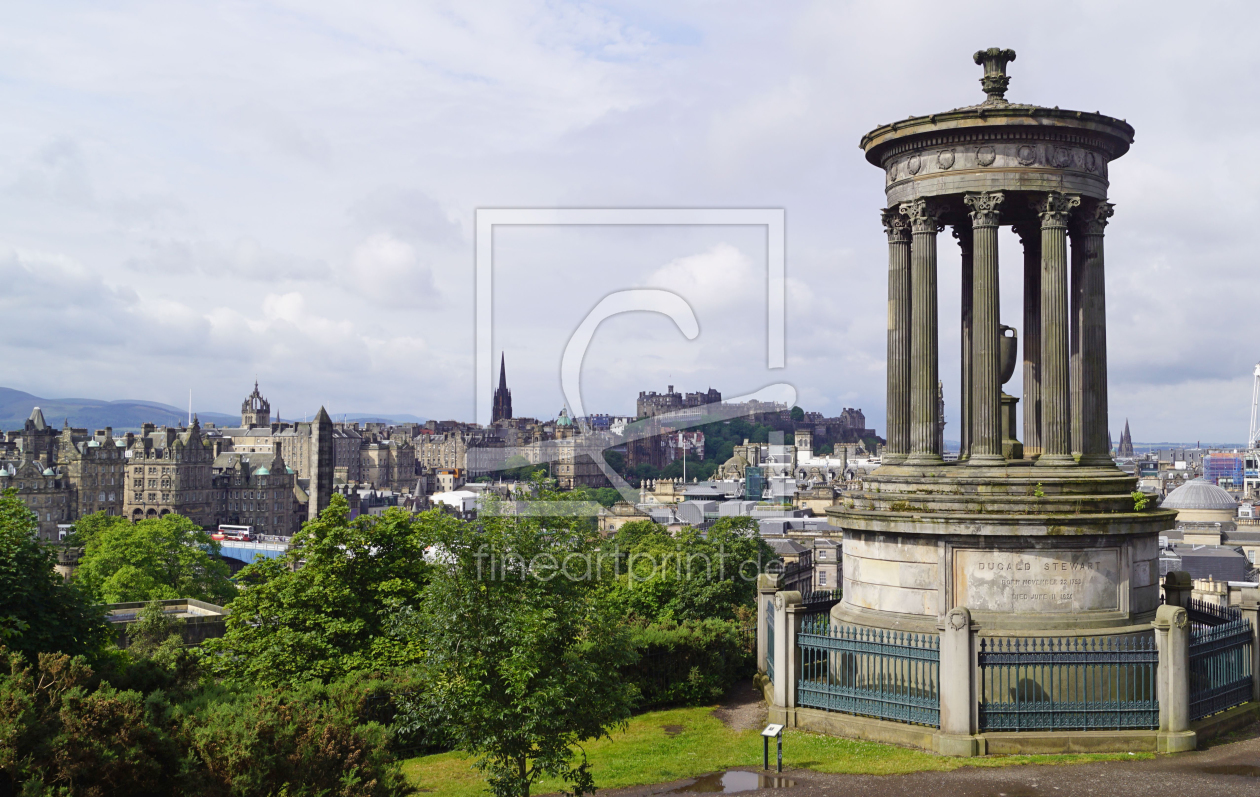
pixel 822 578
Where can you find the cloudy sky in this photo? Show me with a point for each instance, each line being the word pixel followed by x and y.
pixel 192 194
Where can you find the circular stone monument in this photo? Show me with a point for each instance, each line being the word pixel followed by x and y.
pixel 1046 535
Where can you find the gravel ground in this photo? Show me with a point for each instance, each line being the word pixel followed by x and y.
pixel 744 709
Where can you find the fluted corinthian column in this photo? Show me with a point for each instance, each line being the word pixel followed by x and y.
pixel 1074 336
pixel 964 235
pixel 1091 222
pixel 1056 412
pixel 924 365
pixel 986 358
pixel 1030 236
pixel 897 228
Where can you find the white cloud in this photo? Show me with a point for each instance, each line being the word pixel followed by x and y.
pixel 388 270
pixel 716 278
pixel 203 191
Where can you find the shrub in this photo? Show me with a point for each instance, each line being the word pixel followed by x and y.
pixel 692 662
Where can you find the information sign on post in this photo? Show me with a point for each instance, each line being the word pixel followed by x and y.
pixel 775 732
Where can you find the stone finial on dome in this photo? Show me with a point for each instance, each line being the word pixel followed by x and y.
pixel 995 80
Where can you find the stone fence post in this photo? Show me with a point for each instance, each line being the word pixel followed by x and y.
pixel 957 686
pixel 786 659
pixel 767 585
pixel 1251 610
pixel 1178 587
pixel 1172 637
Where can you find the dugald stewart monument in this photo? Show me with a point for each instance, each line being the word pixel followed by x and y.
pixel 1011 600
pixel 1038 535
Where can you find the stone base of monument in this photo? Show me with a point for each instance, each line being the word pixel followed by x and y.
pixel 1026 549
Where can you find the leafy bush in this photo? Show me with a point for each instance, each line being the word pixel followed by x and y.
pixel 66 731
pixel 692 662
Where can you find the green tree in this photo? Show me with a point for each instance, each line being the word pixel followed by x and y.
pixel 663 577
pixel 797 414
pixel 326 607
pixel 156 559
pixel 89 527
pixel 39 612
pixel 522 646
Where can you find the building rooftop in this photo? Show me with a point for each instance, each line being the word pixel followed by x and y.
pixel 1199 494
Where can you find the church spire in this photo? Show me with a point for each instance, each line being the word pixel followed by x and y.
pixel 502 405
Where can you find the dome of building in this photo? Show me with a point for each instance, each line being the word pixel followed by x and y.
pixel 1199 494
pixel 1200 500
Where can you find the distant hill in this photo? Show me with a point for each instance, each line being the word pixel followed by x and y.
pixel 16 406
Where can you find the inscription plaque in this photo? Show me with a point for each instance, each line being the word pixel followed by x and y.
pixel 1035 581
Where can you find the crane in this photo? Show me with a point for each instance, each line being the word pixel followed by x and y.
pixel 1255 402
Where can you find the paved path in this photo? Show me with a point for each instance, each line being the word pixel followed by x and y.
pixel 1226 770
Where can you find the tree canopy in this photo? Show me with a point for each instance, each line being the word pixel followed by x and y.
pixel 334 613
pixel 664 577
pixel 156 559
pixel 523 649
pixel 39 612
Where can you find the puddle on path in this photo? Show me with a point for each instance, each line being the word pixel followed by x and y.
pixel 672 730
pixel 735 781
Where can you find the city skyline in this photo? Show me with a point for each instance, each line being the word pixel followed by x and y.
pixel 289 193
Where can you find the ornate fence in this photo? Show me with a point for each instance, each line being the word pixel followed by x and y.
pixel 885 674
pixel 1220 659
pixel 1059 684
pixel 820 600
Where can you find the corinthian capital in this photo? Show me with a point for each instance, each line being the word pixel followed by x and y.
pixel 924 215
pixel 1092 219
pixel 1055 208
pixel 1029 233
pixel 984 207
pixel 896 226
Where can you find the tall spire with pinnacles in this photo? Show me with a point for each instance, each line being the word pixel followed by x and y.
pixel 502 409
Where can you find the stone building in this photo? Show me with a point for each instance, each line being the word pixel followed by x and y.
pixel 170 470
pixel 575 464
pixel 387 464
pixel 95 468
pixel 255 410
pixel 259 490
pixel 652 403
pixel 43 490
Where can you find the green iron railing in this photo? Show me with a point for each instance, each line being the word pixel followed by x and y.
pixel 1220 659
pixel 820 600
pixel 1060 684
pixel 770 640
pixel 890 675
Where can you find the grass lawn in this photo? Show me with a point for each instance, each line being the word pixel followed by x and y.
pixel 697 742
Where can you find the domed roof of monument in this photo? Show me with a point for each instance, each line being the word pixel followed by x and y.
pixel 1199 494
pixel 998 118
